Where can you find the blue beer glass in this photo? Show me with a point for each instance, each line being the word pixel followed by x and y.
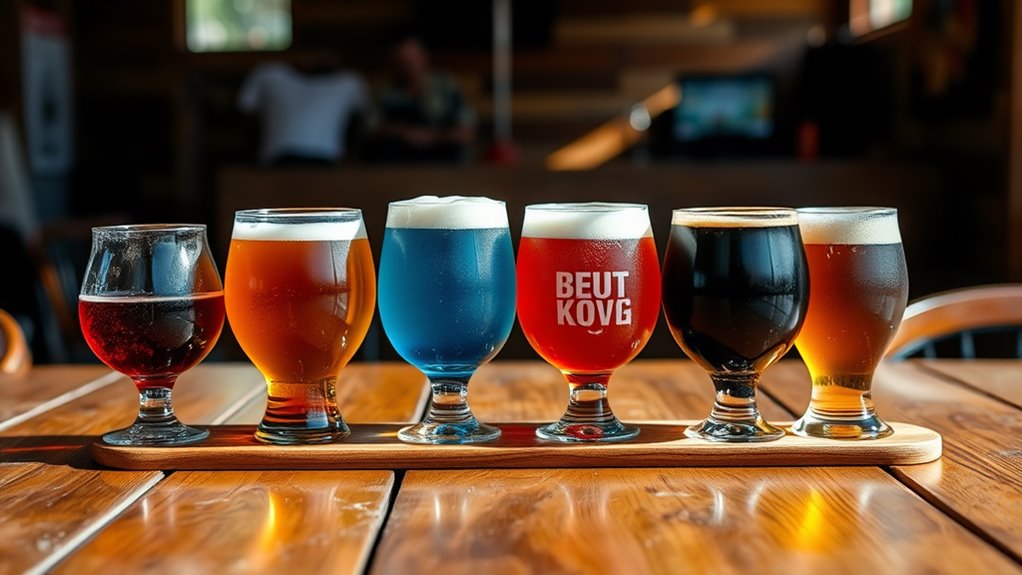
pixel 447 302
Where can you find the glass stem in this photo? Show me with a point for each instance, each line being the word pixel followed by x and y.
pixel 449 403
pixel 735 400
pixel 154 406
pixel 587 402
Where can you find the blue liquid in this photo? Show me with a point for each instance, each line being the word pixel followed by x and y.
pixel 447 297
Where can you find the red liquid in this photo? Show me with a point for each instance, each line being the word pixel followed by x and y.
pixel 588 306
pixel 152 339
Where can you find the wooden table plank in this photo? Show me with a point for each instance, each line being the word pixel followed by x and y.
pixel 979 479
pixel 245 522
pixel 68 499
pixel 47 510
pixel 366 393
pixel 816 520
pixel 202 396
pixel 45 387
pixel 645 390
pixel 1001 378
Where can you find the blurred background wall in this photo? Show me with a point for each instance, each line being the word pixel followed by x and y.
pixel 120 110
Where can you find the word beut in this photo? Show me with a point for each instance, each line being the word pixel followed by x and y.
pixel 592 298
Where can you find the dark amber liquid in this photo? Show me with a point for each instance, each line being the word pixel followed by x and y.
pixel 152 339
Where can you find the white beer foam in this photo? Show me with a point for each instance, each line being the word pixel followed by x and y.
pixel 299 232
pixel 447 213
pixel 587 221
pixel 849 226
pixel 736 217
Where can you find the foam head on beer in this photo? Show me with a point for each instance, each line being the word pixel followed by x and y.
pixel 447 213
pixel 737 217
pixel 313 225
pixel 587 221
pixel 849 226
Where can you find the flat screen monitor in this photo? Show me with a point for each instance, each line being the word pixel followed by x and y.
pixel 739 107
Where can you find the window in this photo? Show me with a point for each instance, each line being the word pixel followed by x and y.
pixel 237 25
pixel 869 15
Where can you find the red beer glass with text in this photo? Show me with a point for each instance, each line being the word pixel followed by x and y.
pixel 588 299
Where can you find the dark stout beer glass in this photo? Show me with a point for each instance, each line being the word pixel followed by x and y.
pixel 735 293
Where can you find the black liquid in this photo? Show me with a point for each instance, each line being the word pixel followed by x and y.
pixel 735 298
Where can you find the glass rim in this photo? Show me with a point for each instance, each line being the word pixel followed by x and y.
pixel 261 214
pixel 848 210
pixel 148 228
pixel 587 207
pixel 732 216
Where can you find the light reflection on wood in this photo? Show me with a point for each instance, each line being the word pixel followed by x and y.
pixel 671 521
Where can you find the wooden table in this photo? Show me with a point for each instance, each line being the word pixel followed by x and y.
pixel 963 513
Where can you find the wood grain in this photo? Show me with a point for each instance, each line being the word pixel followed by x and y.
pixel 1001 378
pixel 366 393
pixel 202 396
pixel 639 521
pixel 68 499
pixel 45 387
pixel 979 479
pixel 374 446
pixel 245 522
pixel 47 510
pixel 649 390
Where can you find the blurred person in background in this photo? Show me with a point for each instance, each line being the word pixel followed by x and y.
pixel 419 115
pixel 305 114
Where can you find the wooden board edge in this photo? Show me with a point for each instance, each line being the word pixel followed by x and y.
pixel 924 449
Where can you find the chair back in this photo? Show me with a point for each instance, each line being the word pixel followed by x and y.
pixel 16 359
pixel 958 312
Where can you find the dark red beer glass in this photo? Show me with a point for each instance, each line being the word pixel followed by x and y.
pixel 152 307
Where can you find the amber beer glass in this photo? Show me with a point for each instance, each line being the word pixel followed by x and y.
pixel 736 289
pixel 588 299
pixel 300 292
pixel 859 289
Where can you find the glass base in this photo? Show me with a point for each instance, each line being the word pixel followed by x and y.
pixel 434 432
pixel 735 432
pixel 172 433
pixel 299 435
pixel 449 419
pixel 575 432
pixel 811 425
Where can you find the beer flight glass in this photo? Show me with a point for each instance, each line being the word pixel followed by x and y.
pixel 588 299
pixel 300 293
pixel 859 289
pixel 447 302
pixel 735 293
pixel 151 307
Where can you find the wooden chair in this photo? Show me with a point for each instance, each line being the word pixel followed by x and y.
pixel 962 312
pixel 16 359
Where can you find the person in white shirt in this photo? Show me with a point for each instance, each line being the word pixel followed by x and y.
pixel 304 117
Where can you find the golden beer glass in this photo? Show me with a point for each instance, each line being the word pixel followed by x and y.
pixel 858 290
pixel 300 291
